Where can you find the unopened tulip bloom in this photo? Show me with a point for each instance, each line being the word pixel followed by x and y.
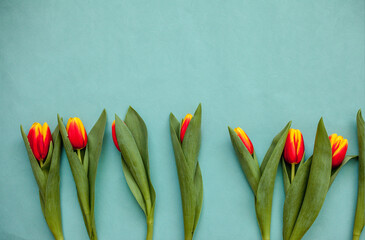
pixel 115 136
pixel 39 138
pixel 245 139
pixel 76 133
pixel 339 148
pixel 294 147
pixel 185 125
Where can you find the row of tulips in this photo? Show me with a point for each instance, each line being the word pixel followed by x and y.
pixel 305 182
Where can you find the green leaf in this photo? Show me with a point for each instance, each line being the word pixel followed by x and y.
pixel 267 181
pixel 92 155
pixel 138 129
pixel 318 183
pixel 294 198
pixel 191 143
pixel 286 178
pixel 79 175
pixel 198 183
pixel 133 186
pixel 360 207
pixel 249 165
pixel 133 160
pixel 37 172
pixel 187 189
pixel 52 206
pixel 335 171
pixel 47 162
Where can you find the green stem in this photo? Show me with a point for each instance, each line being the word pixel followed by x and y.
pixel 356 236
pixel 189 236
pixel 149 228
pixel 292 172
pixel 79 154
pixel 59 237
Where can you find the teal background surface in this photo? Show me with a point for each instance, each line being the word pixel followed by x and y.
pixel 253 64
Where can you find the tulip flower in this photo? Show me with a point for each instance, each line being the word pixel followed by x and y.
pixel 44 153
pixel 245 139
pixel 133 136
pixel 188 169
pixel 88 147
pixel 184 125
pixel 261 178
pixel 339 148
pixel 115 136
pixel 294 149
pixel 76 133
pixel 40 138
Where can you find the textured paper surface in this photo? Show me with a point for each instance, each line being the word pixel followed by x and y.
pixel 253 64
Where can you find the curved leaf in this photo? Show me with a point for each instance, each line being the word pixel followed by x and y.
pixel 133 159
pixel 267 181
pixel 198 183
pixel 249 165
pixel 133 186
pixel 360 206
pixel 294 198
pixel 335 171
pixel 191 143
pixel 187 188
pixel 91 159
pixel 139 131
pixel 37 172
pixel 52 206
pixel 318 183
pixel 79 175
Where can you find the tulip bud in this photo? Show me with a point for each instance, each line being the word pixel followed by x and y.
pixel 245 139
pixel 115 136
pixel 185 125
pixel 294 147
pixel 39 138
pixel 76 133
pixel 339 148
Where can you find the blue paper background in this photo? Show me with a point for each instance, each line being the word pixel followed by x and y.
pixel 254 64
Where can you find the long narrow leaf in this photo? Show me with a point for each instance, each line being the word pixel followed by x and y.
pixel 79 175
pixel 318 183
pixel 138 129
pixel 337 170
pixel 191 143
pixel 267 181
pixel 249 164
pixel 294 198
pixel 37 172
pixel 133 159
pixel 185 179
pixel 360 207
pixel 94 146
pixel 133 186
pixel 52 207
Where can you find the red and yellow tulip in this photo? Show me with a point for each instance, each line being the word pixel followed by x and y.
pixel 39 138
pixel 185 125
pixel 76 133
pixel 294 147
pixel 339 148
pixel 115 136
pixel 245 139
